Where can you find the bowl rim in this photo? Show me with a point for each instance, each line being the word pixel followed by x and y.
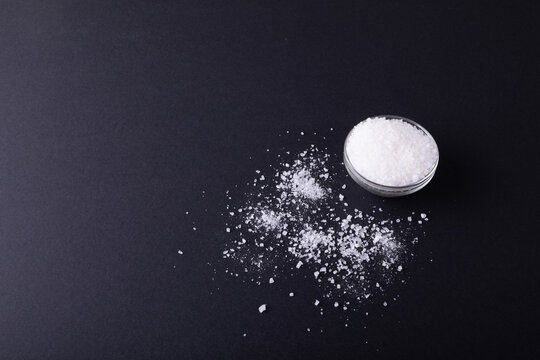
pixel 389 188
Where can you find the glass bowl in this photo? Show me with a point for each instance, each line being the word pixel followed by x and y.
pixel 385 190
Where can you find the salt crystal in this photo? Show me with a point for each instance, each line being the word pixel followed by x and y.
pixel 228 229
pixel 384 303
pixel 297 218
pixel 291 294
pixel 336 304
pixel 262 308
pixel 423 216
pixel 301 183
pixel 391 152
pixel 180 252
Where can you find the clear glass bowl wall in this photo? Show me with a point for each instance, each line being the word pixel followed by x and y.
pixel 384 190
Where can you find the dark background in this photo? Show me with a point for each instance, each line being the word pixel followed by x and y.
pixel 115 117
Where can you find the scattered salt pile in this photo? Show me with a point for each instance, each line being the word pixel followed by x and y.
pixel 391 152
pixel 292 220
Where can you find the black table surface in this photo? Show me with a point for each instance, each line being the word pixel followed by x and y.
pixel 116 116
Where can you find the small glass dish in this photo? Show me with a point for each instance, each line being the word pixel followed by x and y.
pixel 385 190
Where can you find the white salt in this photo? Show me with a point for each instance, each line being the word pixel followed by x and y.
pixel 262 308
pixel 271 281
pixel 291 294
pixel 391 152
pixel 295 221
pixel 269 220
pixel 302 184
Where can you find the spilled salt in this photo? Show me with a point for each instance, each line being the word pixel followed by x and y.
pixel 296 222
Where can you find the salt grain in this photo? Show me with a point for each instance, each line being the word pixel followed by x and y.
pixel 262 308
pixel 296 220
